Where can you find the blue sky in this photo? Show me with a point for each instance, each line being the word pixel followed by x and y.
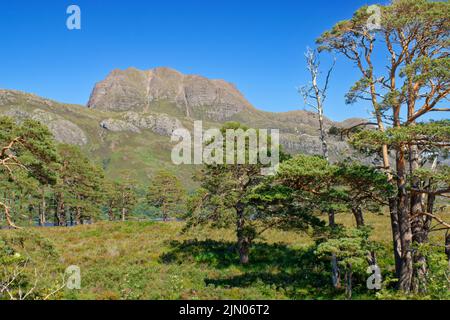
pixel 257 45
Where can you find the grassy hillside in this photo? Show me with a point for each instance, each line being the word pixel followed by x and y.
pixel 146 152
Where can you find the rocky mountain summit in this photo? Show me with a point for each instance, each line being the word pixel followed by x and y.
pixel 136 90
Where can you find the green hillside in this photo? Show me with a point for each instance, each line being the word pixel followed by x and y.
pixel 145 152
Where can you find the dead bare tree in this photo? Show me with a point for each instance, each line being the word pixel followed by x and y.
pixel 314 97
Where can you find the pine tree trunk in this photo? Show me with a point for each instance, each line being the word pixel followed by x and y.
pixel 420 228
pixel 348 282
pixel 331 219
pixel 42 209
pixel 56 216
pixel 110 213
pixel 244 250
pixel 372 258
pixel 420 223
pixel 335 272
pixel 404 220
pixel 397 243
pixel 62 214
pixel 78 216
pixel 39 212
pixel 164 211
pixel 243 241
pixel 359 217
pixel 124 214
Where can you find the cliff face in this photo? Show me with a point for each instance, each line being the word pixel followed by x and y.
pixel 195 96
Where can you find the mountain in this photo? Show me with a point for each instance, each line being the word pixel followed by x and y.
pixel 131 115
pixel 195 96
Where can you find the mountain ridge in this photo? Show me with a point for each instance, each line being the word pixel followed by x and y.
pixel 131 114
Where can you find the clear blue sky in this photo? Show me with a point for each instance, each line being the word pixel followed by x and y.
pixel 256 44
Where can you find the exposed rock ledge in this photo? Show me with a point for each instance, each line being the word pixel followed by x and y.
pixel 134 122
pixel 63 130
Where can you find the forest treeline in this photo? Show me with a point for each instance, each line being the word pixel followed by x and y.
pixel 46 183
pixel 407 177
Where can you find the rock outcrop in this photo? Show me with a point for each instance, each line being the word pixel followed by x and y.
pixel 117 125
pixel 63 130
pixel 195 96
pixel 161 124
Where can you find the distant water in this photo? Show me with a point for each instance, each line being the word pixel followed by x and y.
pixel 51 225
